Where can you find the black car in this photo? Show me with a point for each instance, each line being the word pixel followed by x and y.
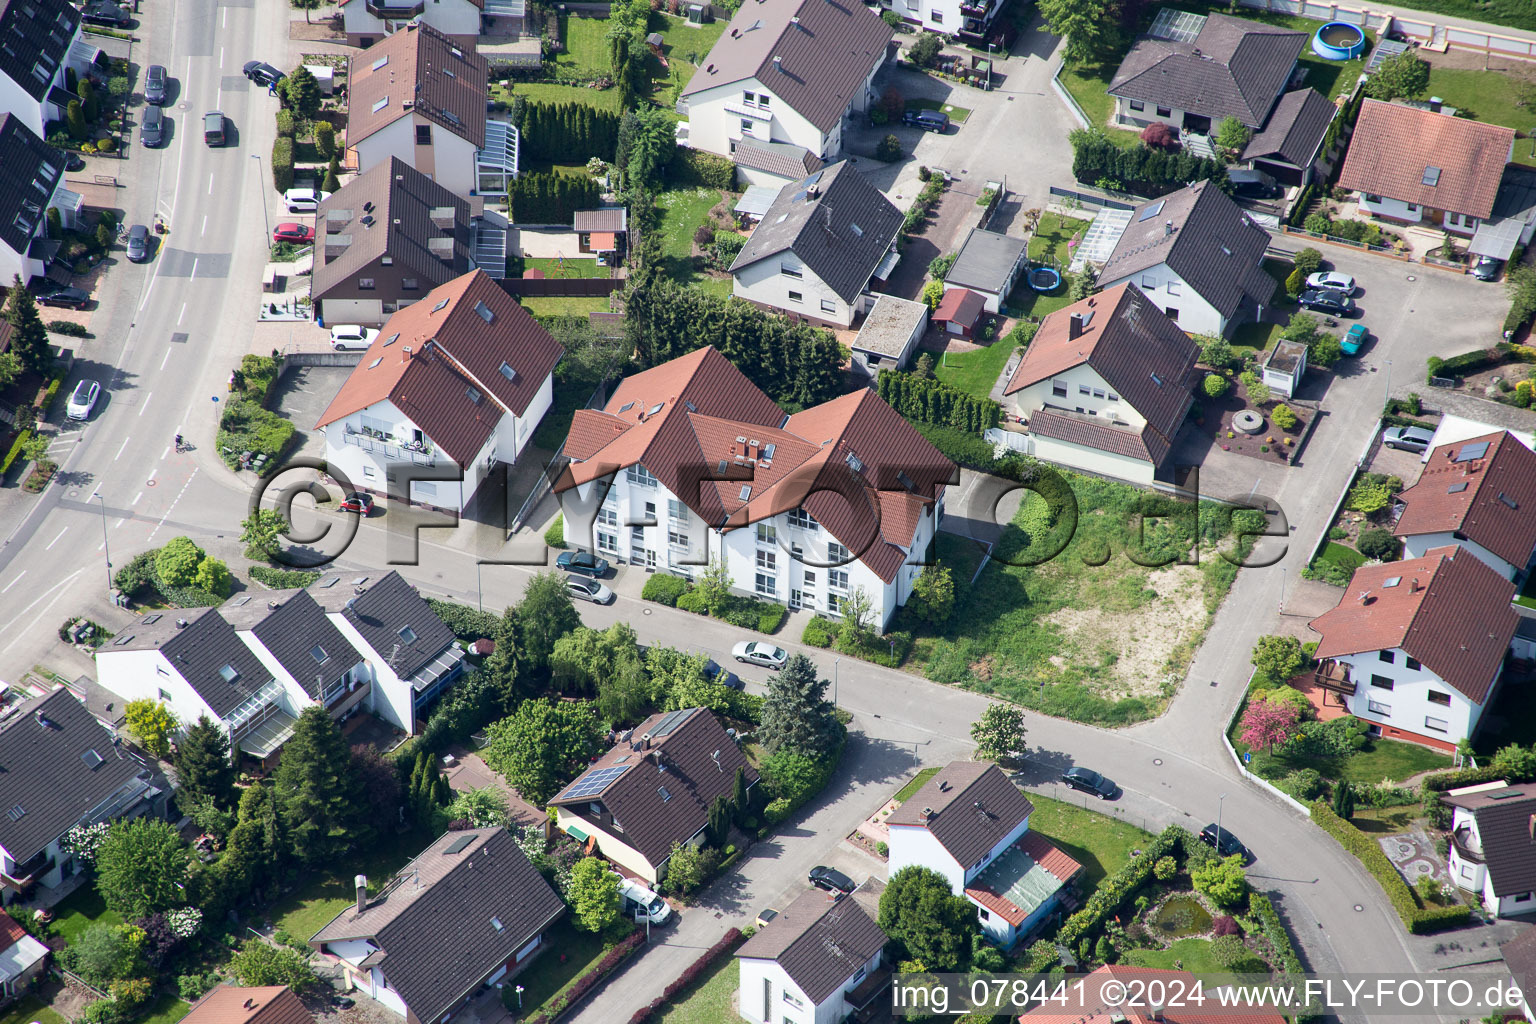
pixel 1487 268
pixel 1089 781
pixel 1224 842
pixel 105 12
pixel 582 563
pixel 155 80
pixel 712 669
pixel 831 879
pixel 152 128
pixel 262 73
pixel 70 298
pixel 1326 300
pixel 1254 185
pixel 927 120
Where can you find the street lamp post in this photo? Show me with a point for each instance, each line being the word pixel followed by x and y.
pixel 1219 801
pixel 1387 393
pixel 519 997
pixel 1282 589
pixel 834 680
pixel 266 224
pixel 103 502
pixel 479 590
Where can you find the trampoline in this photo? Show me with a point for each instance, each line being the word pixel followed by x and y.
pixel 1044 279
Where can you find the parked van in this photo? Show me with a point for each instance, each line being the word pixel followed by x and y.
pixel 152 130
pixel 213 128
pixel 640 904
pixel 1254 184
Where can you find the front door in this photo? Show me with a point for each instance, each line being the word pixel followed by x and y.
pixel 795 598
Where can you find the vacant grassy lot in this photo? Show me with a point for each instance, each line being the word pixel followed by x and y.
pixel 1100 843
pixel 975 371
pixel 708 1000
pixel 563 305
pixel 682 213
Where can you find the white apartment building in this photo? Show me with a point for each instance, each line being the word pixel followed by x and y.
pixel 43 42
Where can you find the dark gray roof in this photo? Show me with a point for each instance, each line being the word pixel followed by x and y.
pixel 985 261
pixel 306 643
pixel 1233 67
pixel 46 771
pixel 37 35
pixel 450 918
pixel 398 201
pixel 1295 129
pixel 1504 825
pixel 835 221
pixel 1079 428
pixel 1520 958
pixel 389 613
pixel 821 942
pixel 781 158
pixel 967 832
pixel 1214 246
pixel 814 67
pixel 29 174
pixel 684 743
pixel 202 650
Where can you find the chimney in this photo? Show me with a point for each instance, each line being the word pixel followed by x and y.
pixel 361 882
pixel 645 741
pixel 778 62
pixel 1435 102
pixel 405 354
pixel 1413 586
pixel 927 813
pixel 1168 228
pixel 1074 326
pixel 181 623
pixel 1155 1012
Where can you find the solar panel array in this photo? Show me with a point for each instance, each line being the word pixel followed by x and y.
pixel 670 722
pixel 1178 26
pixel 596 780
pixel 1472 451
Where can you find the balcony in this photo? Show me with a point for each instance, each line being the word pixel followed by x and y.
pixel 344 700
pixel 1467 846
pixel 401 12
pixel 972 9
pixel 391 447
pixel 1333 676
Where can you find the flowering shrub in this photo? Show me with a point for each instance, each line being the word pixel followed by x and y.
pixel 84 840
pixel 185 922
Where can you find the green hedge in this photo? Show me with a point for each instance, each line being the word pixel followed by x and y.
pixel 664 589
pixel 961 448
pixel 468 624
pixel 929 400
pixel 283 579
pixel 1287 960
pixel 51 394
pixel 693 167
pixel 1480 359
pixel 1416 917
pixel 282 163
pixel 11 456
pixel 820 632
pixel 770 617
pixel 247 427
pixel 1303 200
pixel 780 808
pixel 1122 885
pixel 1466 777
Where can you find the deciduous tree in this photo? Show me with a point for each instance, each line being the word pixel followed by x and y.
pixel 261 533
pixel 545 614
pixel 152 724
pixel 934 925
pixel 480 808
pixel 1266 723
pixel 139 867
pixel 999 733
pixel 177 562
pixel 543 745
pixel 594 895
pixel 1089 26
pixel 933 593
pixel 1277 658
pixel 263 963
pixel 1403 74
pixel 1232 135
pixel 1222 880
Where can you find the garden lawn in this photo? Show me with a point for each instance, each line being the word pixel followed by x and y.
pixel 975 371
pixel 682 212
pixel 305 911
pixel 1489 96
pixel 708 1000
pixel 1254 338
pixel 568 267
pixel 556 424
pixel 905 792
pixel 683 42
pixel 81 909
pixel 1194 955
pixel 548 92
pixel 31 1010
pixel 166 1010
pixel 563 305
pixel 1527 595
pixel 546 977
pixel 1380 759
pixel 586 45
pixel 1100 843
pixel 1049 242
pixel 960 555
pixel 1345 557
pixel 955 113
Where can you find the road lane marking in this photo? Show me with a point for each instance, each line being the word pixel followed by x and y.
pixel 194 268
pixel 145 405
pixel 120 451
pixel 136 498
pixel 56 539
pixel 166 359
pixel 210 183
pixel 148 290
pixel 57 586
pixel 15 581
pixel 172 507
pixel 221 56
pixel 205 224
pixel 226 18
pixel 182 314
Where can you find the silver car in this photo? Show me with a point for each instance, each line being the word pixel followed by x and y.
pixel 755 652
pixel 304 200
pixel 138 243
pixel 1409 439
pixel 83 400
pixel 583 589
pixel 1331 280
pixel 346 337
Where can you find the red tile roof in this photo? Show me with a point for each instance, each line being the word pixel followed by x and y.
pixel 960 305
pixel 232 1004
pixel 1396 148
pixel 853 463
pixel 1489 498
pixel 432 354
pixel 10 932
pixel 1448 610
pixel 421 70
pixel 1118 1013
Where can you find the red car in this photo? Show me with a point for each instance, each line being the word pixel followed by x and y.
pixel 358 502
pixel 293 233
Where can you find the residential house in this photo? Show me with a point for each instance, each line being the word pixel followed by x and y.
pixel 1520 958
pixel 469 911
pixel 421 96
pixel 63 768
pixel 1097 1000
pixel 385 239
pixel 791 71
pixel 819 961
pixel 1198 256
pixel 1416 648
pixel 819 247
pixel 970 823
pixel 1284 367
pixel 43 43
pixel 368 21
pixel 965 21
pixel 652 790
pixel 689 462
pixel 889 334
pixel 1477 493
pixel 22 959
pixel 1192 72
pixel 1289 147
pixel 959 311
pixel 1493 849
pixel 236 1004
pixel 31 181
pixel 774 164
pixel 1417 165
pixel 452 387
pixel 1513 221
pixel 351 642
pixel 1104 385
pixel 988 263
pixel 604 232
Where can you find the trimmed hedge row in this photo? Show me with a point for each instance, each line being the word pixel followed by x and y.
pixel 695 167
pixel 468 624
pixel 282 163
pixel 1289 962
pixel 10 456
pixel 648 1013
pixel 1119 887
pixel 583 985
pixel 1480 359
pixel 820 632
pixel 1416 917
pixel 664 589
pixel 1466 777
pixel 282 579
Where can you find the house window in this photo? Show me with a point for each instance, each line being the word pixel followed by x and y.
pixel 768 561
pixel 1114 397
pixel 836 553
pixel 746 126
pixel 165 695
pixel 607 542
pixel 368 472
pixel 1148 281
pixel 1138 105
pixel 1381 682
pixel 608 517
pixel 837 580
pixel 677 510
pixel 1378 708
pixel 1164 112
pixel 1372 199
pixel 640 476
pixel 1413 664
pixel 766 534
pixel 423 135
pixel 1059 388
pixel 790 270
pixel 595 809
pixel 1173 314
pixel 809 580
pixel 365 283
pixel 1413 207
pixel 409 284
pixel 795 297
pixel 767 585
pixel 1098 392
pixel 762 100
pixel 801 519
pixel 936 17
pixel 1437 724
pixel 828 306
pixel 792 1000
pixel 1443 699
pixel 677 539
pixel 1387 656
pixel 1084 389
pixel 1173 288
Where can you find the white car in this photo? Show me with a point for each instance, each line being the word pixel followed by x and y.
pixel 304 200
pixel 583 589
pixel 1332 281
pixel 82 400
pixel 755 652
pixel 351 336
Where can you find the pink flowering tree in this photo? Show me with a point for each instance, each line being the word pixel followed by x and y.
pixel 1266 724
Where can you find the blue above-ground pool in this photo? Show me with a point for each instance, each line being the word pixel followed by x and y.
pixel 1044 279
pixel 1338 40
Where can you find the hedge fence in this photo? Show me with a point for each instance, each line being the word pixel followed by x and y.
pixel 1115 889
pixel 1416 917
pixel 1480 359
pixel 566 1001
pixel 652 1011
